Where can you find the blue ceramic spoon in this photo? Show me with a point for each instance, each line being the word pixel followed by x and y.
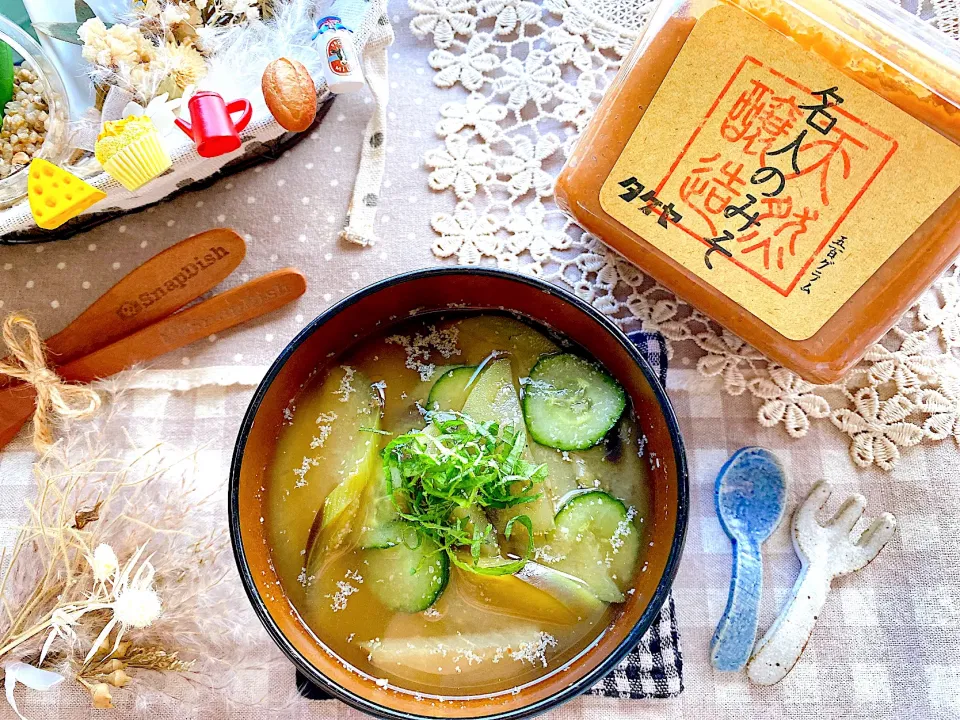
pixel 751 497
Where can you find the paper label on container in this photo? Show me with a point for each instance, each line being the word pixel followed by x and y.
pixel 774 177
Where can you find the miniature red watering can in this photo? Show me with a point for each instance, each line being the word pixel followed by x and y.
pixel 211 127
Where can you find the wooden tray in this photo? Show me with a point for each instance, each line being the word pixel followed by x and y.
pixel 254 154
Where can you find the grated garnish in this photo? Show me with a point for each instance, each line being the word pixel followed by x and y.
pixel 346 388
pixel 535 652
pixel 339 598
pixel 301 472
pixel 419 346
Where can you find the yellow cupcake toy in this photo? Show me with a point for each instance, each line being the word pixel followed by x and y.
pixel 130 151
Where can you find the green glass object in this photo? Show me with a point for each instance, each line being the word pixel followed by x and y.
pixel 6 75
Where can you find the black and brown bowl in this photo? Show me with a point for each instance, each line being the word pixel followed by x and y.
pixel 372 311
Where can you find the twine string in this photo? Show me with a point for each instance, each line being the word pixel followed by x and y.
pixel 56 399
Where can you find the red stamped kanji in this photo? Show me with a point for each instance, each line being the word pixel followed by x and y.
pixel 772 171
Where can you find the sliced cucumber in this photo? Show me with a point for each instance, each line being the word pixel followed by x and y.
pixel 570 403
pixel 595 540
pixel 382 536
pixel 450 391
pixel 408 579
pixel 381 526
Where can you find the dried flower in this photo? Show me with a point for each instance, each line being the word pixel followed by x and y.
pixel 131 599
pixel 104 563
pixel 160 110
pixel 155 658
pixel 171 20
pixel 106 649
pixel 173 14
pixel 135 603
pixel 242 8
pixel 114 46
pixel 186 30
pixel 110 666
pixel 82 518
pixel 174 575
pixel 137 607
pixel 101 696
pixel 145 81
pixel 118 678
pixel 184 63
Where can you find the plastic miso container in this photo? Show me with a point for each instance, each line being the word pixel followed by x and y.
pixel 789 167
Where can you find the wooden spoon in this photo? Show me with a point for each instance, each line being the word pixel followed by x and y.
pixel 237 305
pixel 162 285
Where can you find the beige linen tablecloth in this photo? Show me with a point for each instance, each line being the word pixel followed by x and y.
pixel 888 642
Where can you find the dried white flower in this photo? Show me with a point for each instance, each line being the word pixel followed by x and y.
pixel 137 607
pixel 134 602
pixel 145 499
pixel 114 46
pixel 34 678
pixel 160 110
pixel 173 14
pixel 183 63
pixel 104 563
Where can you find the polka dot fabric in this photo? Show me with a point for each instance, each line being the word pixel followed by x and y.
pixel 289 212
pixel 261 137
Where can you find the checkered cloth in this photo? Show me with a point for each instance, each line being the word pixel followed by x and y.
pixel 654 668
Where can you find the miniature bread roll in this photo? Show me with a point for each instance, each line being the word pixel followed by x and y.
pixel 290 94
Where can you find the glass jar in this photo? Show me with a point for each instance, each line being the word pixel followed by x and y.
pixel 55 142
pixel 789 167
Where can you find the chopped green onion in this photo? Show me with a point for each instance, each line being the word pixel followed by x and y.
pixel 456 464
pixel 374 430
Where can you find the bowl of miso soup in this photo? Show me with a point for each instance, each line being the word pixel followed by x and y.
pixel 458 493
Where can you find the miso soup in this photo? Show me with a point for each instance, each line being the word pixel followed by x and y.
pixel 457 507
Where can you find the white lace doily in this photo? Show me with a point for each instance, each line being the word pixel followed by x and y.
pixel 529 76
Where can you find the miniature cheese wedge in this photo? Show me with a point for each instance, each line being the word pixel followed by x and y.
pixel 56 195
